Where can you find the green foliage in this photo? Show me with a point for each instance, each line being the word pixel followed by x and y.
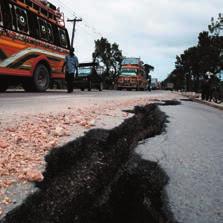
pixel 176 77
pixel 108 54
pixel 193 64
pixel 116 58
pixel 216 26
pixel 148 68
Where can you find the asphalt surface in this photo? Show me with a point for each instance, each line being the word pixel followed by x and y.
pixel 23 114
pixel 18 108
pixel 16 104
pixel 191 152
pixel 37 101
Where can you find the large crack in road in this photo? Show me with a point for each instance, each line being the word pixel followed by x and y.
pixel 98 178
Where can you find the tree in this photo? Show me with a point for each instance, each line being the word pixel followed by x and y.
pixel 177 78
pixel 116 58
pixel 216 26
pixel 109 54
pixel 187 64
pixel 196 61
pixel 102 53
pixel 148 68
pixel 207 56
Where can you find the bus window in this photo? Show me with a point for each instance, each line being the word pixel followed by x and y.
pixel 6 14
pixel 43 11
pixel 32 18
pixel 63 38
pixel 56 35
pixel 43 30
pixel 21 20
pixel 50 33
pixel 46 31
pixel 12 18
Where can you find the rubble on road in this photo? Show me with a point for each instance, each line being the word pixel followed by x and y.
pixel 96 178
pixel 25 143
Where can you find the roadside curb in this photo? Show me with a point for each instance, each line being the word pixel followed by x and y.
pixel 207 103
pixel 220 107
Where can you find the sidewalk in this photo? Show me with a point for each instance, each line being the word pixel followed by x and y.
pixel 196 97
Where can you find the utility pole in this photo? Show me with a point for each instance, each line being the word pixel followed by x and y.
pixel 74 21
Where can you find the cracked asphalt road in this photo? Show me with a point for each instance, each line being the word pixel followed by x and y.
pixel 32 124
pixel 191 152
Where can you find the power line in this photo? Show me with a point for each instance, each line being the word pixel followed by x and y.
pixel 84 24
pixel 72 13
pixel 65 8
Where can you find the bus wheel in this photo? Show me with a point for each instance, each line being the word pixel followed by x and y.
pixel 3 85
pixel 41 78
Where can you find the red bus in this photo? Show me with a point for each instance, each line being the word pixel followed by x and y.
pixel 33 44
pixel 132 75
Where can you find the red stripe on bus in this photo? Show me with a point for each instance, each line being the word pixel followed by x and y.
pixel 15 72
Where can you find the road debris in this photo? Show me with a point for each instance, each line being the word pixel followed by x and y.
pixel 27 141
pixel 96 177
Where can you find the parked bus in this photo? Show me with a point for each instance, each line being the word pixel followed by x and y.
pixel 132 75
pixel 33 44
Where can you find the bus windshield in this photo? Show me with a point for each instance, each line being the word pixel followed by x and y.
pixel 130 61
pixel 84 72
pixel 129 72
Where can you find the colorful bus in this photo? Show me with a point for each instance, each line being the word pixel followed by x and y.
pixel 132 75
pixel 33 44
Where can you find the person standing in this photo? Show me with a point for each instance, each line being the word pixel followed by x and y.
pixel 205 88
pixel 71 63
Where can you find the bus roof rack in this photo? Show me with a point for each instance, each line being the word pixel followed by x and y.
pixel 53 13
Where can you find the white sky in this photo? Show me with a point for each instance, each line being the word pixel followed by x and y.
pixel 155 30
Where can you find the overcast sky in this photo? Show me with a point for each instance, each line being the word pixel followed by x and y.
pixel 155 30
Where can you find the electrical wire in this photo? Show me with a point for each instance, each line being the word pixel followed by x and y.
pixel 85 26
pixel 72 13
